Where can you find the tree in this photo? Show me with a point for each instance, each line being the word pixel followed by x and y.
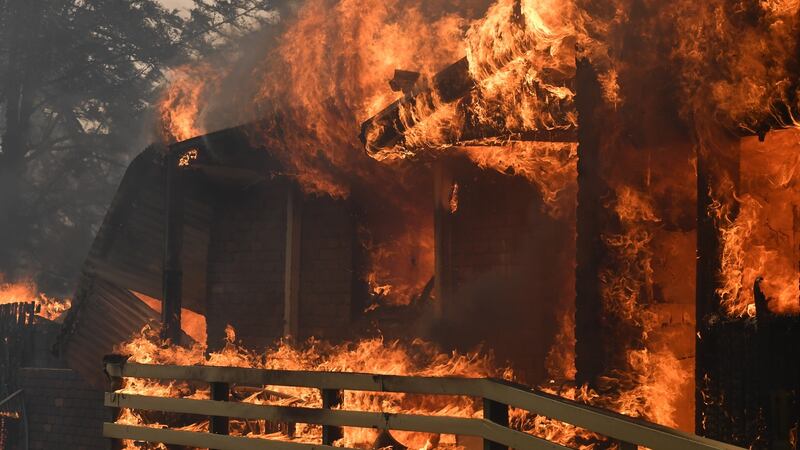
pixel 78 80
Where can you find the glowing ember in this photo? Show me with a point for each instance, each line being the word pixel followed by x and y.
pixel 187 158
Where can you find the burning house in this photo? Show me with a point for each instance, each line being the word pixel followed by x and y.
pixel 600 198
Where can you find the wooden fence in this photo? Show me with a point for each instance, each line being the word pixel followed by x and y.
pixel 493 428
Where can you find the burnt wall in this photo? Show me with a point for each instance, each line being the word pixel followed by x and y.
pixel 509 266
pixel 63 411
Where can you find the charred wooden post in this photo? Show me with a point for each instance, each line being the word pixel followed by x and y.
pixel 219 392
pixel 113 385
pixel 291 288
pixel 590 338
pixel 331 398
pixel 173 246
pixel 498 413
pixel 443 222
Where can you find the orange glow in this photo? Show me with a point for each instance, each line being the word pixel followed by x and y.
pixel 50 308
pixel 330 72
pixel 369 355
pixel 400 268
pixel 182 104
pixel 192 323
pixel 551 167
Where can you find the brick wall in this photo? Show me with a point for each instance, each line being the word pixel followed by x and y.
pixel 326 268
pixel 63 411
pixel 246 266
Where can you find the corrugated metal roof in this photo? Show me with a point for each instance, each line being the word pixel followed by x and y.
pixel 128 251
pixel 127 255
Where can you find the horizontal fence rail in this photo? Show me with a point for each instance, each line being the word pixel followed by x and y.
pixel 498 396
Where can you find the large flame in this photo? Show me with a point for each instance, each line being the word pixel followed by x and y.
pixel 330 72
pixel 183 103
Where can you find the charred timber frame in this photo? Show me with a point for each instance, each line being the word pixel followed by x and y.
pixel 386 129
pixel 590 336
pixel 443 248
pixel 291 288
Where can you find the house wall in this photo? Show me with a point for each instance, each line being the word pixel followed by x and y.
pixel 63 411
pixel 326 268
pixel 246 266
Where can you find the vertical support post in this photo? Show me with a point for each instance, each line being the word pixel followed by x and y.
pixel 498 413
pixel 221 393
pixel 114 384
pixel 173 245
pixel 628 446
pixel 590 334
pixel 717 184
pixel 331 398
pixel 442 235
pixel 291 286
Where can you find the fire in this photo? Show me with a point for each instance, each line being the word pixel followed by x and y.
pixel 650 378
pixel 761 241
pixel 552 167
pixel 49 308
pixel 736 63
pixel 182 104
pixel 373 355
pixel 522 56
pixel 329 73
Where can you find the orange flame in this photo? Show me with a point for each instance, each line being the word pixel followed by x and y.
pixel 182 104
pixel 50 308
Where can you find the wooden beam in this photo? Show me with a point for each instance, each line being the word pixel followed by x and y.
pixel 220 392
pixel 195 439
pixel 496 413
pixel 291 285
pixel 442 236
pixel 331 399
pixel 591 338
pixel 173 244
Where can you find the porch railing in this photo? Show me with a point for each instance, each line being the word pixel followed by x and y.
pixel 493 428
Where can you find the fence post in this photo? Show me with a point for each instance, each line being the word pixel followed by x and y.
pixel 114 384
pixel 221 393
pixel 498 413
pixel 331 398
